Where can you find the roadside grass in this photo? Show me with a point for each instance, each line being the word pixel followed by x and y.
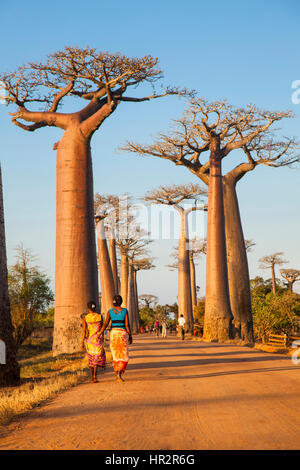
pixel 42 377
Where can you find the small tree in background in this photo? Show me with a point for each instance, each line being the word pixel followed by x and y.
pixel 30 294
pixel 269 262
pixel 291 276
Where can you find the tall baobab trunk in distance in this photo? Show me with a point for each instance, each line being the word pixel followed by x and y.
pixel 131 300
pixel 218 316
pixel 107 280
pixel 113 260
pixel 274 286
pixel 136 300
pixel 76 281
pixel 9 368
pixel 124 277
pixel 237 264
pixel 193 281
pixel 184 280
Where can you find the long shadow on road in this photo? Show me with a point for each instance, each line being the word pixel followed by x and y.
pixel 142 404
pixel 204 361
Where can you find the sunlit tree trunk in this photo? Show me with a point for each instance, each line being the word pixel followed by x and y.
pixel 9 368
pixel 136 301
pixel 131 300
pixel 113 260
pixel 274 287
pixel 76 280
pixel 184 280
pixel 218 316
pixel 124 277
pixel 237 263
pixel 193 281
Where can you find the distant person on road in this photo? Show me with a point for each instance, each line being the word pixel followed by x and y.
pixel 181 323
pixel 120 336
pixel 164 329
pixel 92 341
pixel 156 327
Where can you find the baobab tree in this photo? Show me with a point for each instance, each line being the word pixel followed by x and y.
pixel 134 241
pixel 174 196
pixel 249 244
pixel 142 264
pixel 102 79
pixel 196 247
pixel 135 265
pixel 9 367
pixel 232 128
pixel 148 299
pixel 106 208
pixel 106 275
pixel 269 262
pixel 291 276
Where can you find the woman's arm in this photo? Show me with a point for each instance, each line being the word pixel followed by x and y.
pixel 84 333
pixel 106 323
pixel 127 326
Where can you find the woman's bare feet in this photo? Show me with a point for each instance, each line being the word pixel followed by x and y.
pixel 120 378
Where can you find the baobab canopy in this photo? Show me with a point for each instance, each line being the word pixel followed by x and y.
pixel 99 77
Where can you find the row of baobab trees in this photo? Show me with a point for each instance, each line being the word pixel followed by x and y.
pixel 117 230
pixel 207 133
pixel 290 275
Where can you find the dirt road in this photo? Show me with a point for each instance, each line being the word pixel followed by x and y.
pixel 178 395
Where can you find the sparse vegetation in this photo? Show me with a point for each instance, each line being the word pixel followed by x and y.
pixel 42 376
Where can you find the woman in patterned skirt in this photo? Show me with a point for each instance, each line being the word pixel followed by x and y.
pixel 120 336
pixel 92 342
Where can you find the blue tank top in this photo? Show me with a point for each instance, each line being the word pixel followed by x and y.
pixel 118 319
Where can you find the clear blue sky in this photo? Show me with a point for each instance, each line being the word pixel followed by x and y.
pixel 243 51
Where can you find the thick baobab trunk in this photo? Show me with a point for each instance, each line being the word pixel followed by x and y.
pixel 237 264
pixel 124 278
pixel 113 261
pixel 106 275
pixel 193 281
pixel 184 280
pixel 76 279
pixel 131 301
pixel 9 368
pixel 218 316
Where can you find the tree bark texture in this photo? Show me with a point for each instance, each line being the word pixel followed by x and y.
pixel 184 279
pixel 136 302
pixel 10 371
pixel 131 301
pixel 193 282
pixel 76 279
pixel 124 278
pixel 237 264
pixel 273 279
pixel 113 261
pixel 218 316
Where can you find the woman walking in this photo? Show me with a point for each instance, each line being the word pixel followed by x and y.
pixel 120 336
pixel 92 342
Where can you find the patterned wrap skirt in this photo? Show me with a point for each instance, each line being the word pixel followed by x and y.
pixel 119 349
pixel 94 345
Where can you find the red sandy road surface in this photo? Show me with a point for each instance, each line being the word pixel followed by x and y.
pixel 178 395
